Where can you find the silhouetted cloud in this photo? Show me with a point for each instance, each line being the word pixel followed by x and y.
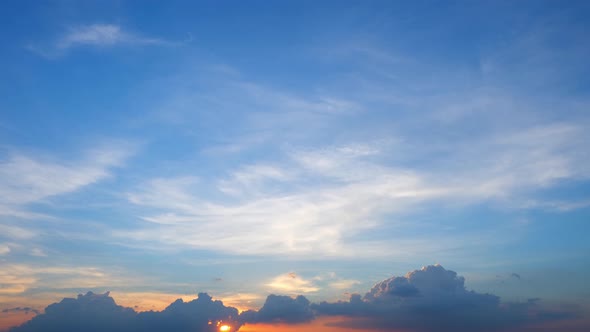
pixel 434 299
pixel 90 312
pixel 281 309
pixel 431 299
pixel 99 312
pixel 192 316
pixel 25 310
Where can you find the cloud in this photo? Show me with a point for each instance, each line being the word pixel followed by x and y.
pixel 331 195
pixel 281 309
pixel 319 200
pixel 89 312
pixel 27 179
pixel 344 284
pixel 4 249
pixel 308 198
pixel 431 299
pixel 16 279
pixel 249 178
pixel 99 312
pixel 38 252
pixel 434 299
pixel 95 35
pixel 25 310
pixel 189 316
pixel 291 283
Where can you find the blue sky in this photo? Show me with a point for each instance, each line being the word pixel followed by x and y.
pixel 249 148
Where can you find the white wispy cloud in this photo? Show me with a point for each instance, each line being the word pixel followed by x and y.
pixel 285 217
pixel 318 200
pixel 336 168
pixel 252 178
pixel 25 179
pixel 17 278
pixel 95 35
pixel 17 233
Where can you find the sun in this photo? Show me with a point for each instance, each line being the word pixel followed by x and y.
pixel 224 328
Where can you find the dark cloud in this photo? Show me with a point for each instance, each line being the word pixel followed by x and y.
pixel 189 316
pixel 90 312
pixel 515 275
pixel 280 309
pixel 26 310
pixel 433 299
pixel 99 312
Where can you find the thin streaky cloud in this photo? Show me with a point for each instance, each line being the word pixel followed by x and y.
pixel 26 178
pixel 272 216
pixel 95 35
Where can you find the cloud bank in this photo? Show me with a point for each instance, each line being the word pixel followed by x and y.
pixel 99 312
pixel 281 309
pixel 431 299
pixel 434 299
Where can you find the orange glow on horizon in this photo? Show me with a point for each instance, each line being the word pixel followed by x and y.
pixel 8 320
pixel 224 328
pixel 317 325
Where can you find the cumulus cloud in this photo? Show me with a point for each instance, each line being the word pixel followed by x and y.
pixel 195 315
pixel 99 312
pixel 90 312
pixel 431 299
pixel 434 299
pixel 281 309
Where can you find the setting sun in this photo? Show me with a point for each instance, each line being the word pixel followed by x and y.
pixel 224 328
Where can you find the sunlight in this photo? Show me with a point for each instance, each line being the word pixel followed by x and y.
pixel 224 328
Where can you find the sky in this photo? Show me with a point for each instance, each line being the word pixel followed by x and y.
pixel 373 165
